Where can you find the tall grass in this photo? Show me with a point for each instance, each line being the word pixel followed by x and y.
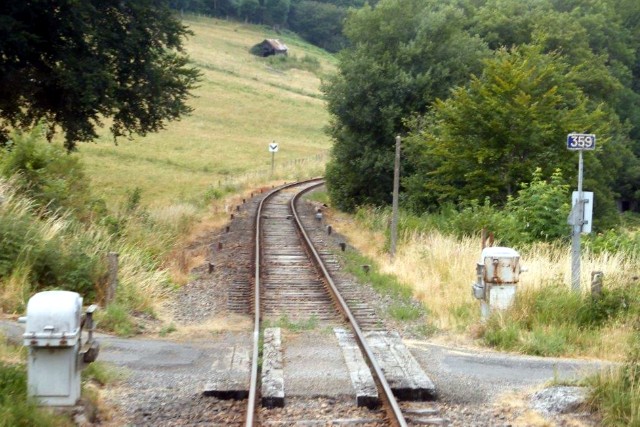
pixel 440 268
pixel 46 240
pixel 615 393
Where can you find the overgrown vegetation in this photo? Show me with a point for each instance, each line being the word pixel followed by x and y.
pixel 556 321
pixel 615 393
pixel 48 241
pixel 437 253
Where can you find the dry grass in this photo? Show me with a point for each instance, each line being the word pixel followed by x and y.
pixel 211 327
pixel 440 269
pixel 11 354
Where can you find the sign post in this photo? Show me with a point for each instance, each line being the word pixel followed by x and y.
pixel 578 142
pixel 273 148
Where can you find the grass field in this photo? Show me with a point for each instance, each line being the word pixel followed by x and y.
pixel 243 103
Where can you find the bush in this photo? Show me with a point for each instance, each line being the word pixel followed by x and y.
pixel 541 208
pixel 614 240
pixel 46 173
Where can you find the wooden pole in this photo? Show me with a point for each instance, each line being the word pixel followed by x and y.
pixel 113 276
pixel 396 190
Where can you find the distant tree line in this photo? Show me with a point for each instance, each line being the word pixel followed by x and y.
pixel 484 93
pixel 317 21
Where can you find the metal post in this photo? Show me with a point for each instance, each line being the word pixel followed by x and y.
pixel 577 229
pixel 396 190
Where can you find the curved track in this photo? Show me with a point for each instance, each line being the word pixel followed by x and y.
pixel 291 280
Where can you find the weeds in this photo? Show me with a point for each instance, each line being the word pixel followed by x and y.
pixel 167 329
pixel 115 318
pixel 102 373
pixel 555 321
pixel 295 326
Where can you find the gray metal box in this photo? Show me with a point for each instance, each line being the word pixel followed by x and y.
pixel 52 334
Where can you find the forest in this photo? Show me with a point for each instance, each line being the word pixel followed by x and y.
pixel 484 93
pixel 318 21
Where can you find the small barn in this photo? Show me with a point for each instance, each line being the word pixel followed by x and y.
pixel 270 47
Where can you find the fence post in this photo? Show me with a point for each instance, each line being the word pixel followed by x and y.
pixel 113 276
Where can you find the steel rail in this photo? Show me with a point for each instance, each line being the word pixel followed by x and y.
pixel 253 386
pixel 396 412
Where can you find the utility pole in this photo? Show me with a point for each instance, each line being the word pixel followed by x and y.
pixel 396 190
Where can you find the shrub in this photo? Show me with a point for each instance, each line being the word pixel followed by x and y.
pixel 52 178
pixel 614 240
pixel 541 208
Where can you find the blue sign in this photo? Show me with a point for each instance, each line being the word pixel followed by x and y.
pixel 581 141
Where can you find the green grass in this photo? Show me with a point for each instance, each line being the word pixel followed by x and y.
pixel 103 373
pixel 294 326
pixel 555 321
pixel 167 329
pixel 115 318
pixel 318 196
pixel 386 284
pixel 402 307
pixel 615 394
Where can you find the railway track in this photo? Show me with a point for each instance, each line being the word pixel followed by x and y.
pixel 345 368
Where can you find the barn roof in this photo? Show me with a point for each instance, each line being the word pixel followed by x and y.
pixel 276 44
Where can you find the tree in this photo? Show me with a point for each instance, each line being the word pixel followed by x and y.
pixel 319 23
pixel 276 12
pixel 403 55
pixel 249 10
pixel 489 137
pixel 75 65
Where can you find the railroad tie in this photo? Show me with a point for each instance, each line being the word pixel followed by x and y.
pixel 272 369
pixel 361 378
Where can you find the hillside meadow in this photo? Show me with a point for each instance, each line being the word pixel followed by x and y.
pixel 242 104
